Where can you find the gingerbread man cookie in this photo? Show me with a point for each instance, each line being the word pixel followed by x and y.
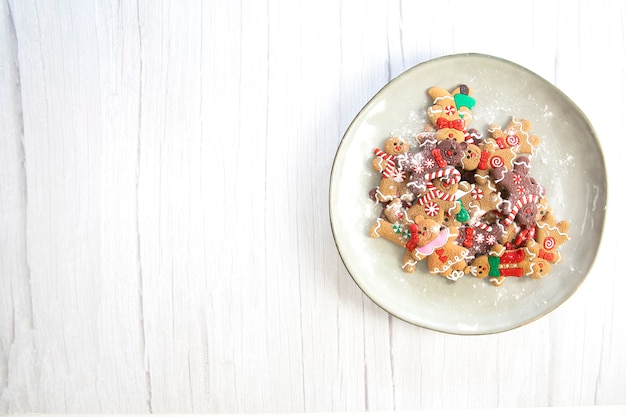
pixel 502 263
pixel 451 112
pixel 392 182
pixel 479 237
pixel 516 136
pixel 471 157
pixel 550 236
pixel 492 157
pixel 440 200
pixel 483 197
pixel 397 233
pixel 436 159
pixel 429 241
pixel 523 193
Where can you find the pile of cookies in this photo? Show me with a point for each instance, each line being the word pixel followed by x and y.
pixel 463 201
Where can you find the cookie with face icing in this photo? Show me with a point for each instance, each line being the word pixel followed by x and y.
pixel 479 238
pixel 484 197
pixel 451 112
pixel 523 193
pixel 429 241
pixel 501 263
pixel 440 199
pixel 435 159
pixel 550 235
pixel 393 178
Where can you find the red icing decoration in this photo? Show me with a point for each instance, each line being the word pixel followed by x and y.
pixel 412 243
pixel 484 157
pixel 512 272
pixel 450 124
pixel 512 256
pixel 437 155
pixel 443 258
pixel 546 255
pixel 469 237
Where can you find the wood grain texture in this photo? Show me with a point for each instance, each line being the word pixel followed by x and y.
pixel 165 243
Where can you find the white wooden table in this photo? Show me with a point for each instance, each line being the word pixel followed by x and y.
pixel 165 243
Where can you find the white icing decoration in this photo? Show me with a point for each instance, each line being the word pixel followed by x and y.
pixel 552 228
pixel 442 98
pixel 517 122
pixel 377 228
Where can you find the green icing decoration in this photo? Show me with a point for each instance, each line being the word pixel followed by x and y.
pixel 494 266
pixel 463 100
pixel 462 216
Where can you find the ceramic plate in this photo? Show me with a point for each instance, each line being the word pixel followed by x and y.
pixel 568 162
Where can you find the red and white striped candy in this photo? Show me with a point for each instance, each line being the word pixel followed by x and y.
pixel 549 243
pixel 432 209
pixel 512 140
pixel 496 161
pixel 452 173
pixel 482 226
pixel 518 205
pixel 477 194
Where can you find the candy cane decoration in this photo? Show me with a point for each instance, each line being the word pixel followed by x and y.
pixel 482 226
pixel 390 170
pixel 427 197
pixel 454 177
pixel 434 192
pixel 453 174
pixel 530 198
pixel 391 162
pixel 525 235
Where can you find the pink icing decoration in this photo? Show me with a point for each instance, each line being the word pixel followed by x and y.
pixel 439 241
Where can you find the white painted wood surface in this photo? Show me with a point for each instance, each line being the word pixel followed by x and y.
pixel 164 233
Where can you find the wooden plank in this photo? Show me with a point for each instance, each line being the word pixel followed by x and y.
pixel 165 243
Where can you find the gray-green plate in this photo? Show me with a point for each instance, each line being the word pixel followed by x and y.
pixel 568 162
